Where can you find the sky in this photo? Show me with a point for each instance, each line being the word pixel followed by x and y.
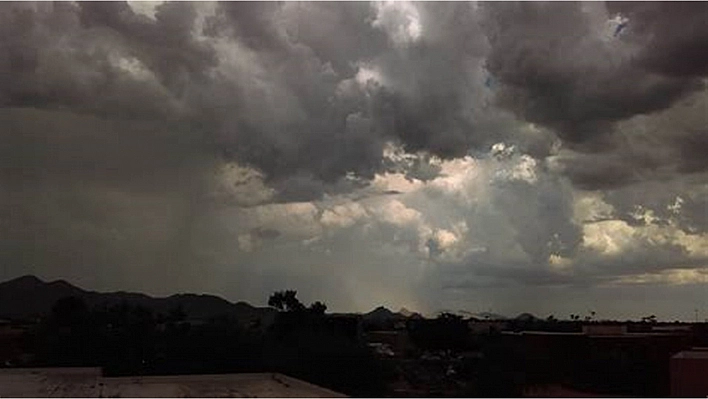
pixel 506 157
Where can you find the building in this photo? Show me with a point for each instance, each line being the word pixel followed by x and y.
pixel 678 328
pixel 397 341
pixel 11 344
pixel 689 372
pixel 605 329
pixel 630 364
pixel 559 391
pixel 486 326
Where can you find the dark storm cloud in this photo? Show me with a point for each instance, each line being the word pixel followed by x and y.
pixel 100 58
pixel 297 126
pixel 673 35
pixel 605 170
pixel 266 87
pixel 166 45
pixel 68 56
pixel 556 70
pixel 434 95
pixel 427 92
pixel 253 23
pixel 342 35
pixel 692 146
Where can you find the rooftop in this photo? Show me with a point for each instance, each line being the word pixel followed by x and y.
pixel 692 354
pixel 88 382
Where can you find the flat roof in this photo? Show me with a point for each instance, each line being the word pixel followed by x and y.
pixel 561 333
pixel 88 382
pixel 699 354
pixel 591 335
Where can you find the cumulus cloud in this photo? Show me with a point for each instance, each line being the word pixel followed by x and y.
pixel 397 152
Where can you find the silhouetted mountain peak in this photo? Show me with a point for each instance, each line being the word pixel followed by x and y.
pixel 462 313
pixel 526 317
pixel 61 284
pixel 382 311
pixel 407 313
pixel 382 314
pixel 28 281
pixel 488 316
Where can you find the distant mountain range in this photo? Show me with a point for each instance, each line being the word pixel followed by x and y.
pixel 488 316
pixel 527 317
pixel 29 297
pixel 382 315
pixel 407 313
pixel 481 315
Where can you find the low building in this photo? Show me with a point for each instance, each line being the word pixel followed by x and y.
pixel 689 370
pixel 678 328
pixel 397 341
pixel 631 364
pixel 11 351
pixel 559 391
pixel 486 326
pixel 605 329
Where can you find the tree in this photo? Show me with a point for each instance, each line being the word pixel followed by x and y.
pixel 446 316
pixel 649 319
pixel 318 308
pixel 286 301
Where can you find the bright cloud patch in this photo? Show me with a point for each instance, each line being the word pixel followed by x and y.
pixel 399 19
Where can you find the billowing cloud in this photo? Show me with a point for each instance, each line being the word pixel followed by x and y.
pixel 404 153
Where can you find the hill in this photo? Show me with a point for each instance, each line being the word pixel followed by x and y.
pixel 488 316
pixel 526 317
pixel 28 297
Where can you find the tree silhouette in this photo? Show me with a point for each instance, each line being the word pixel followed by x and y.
pixel 286 301
pixel 649 319
pixel 318 308
pixel 446 316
